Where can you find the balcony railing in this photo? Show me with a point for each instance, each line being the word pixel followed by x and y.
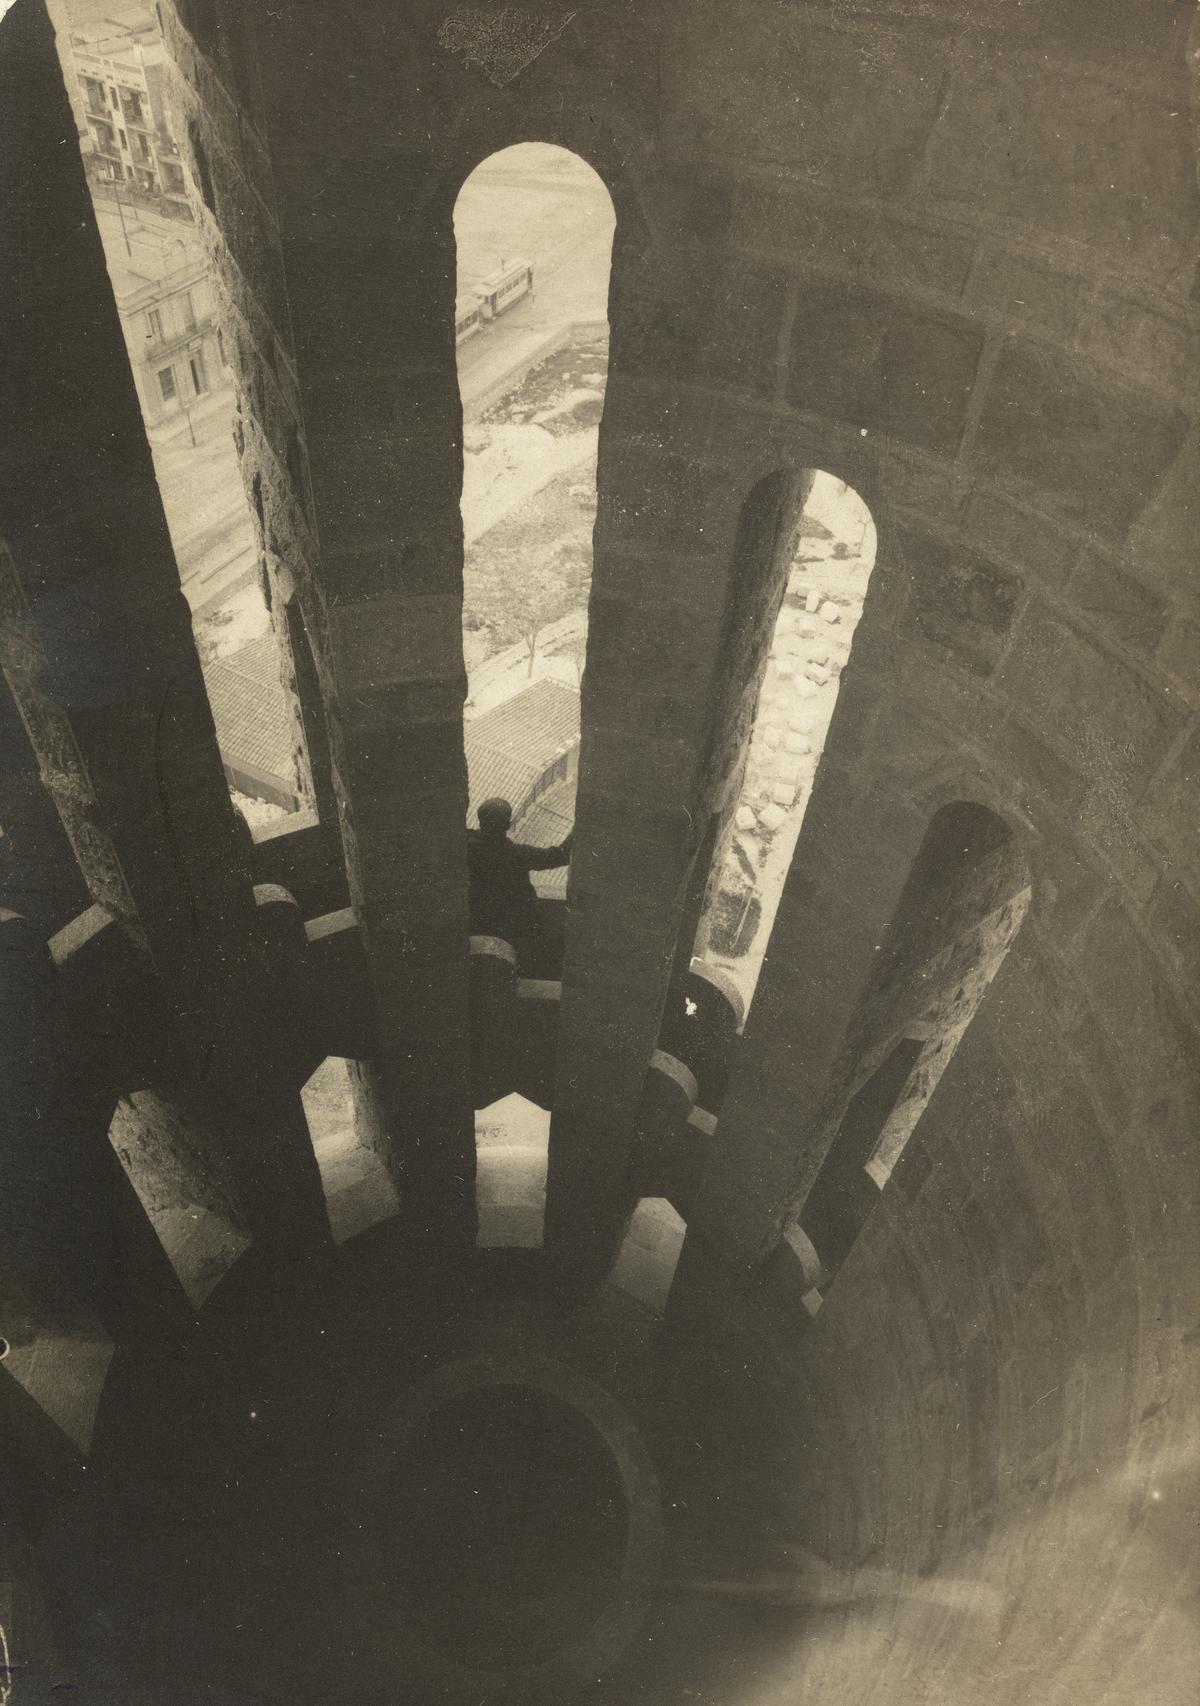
pixel 156 342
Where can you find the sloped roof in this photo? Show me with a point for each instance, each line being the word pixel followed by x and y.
pixel 544 715
pixel 492 773
pixel 509 747
pixel 250 709
pixel 545 824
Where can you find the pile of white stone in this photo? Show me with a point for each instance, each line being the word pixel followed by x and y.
pixel 810 648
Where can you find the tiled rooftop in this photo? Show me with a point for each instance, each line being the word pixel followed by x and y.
pixel 546 824
pixel 510 747
pixel 250 710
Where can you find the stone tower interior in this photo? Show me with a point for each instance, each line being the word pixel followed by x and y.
pixel 920 1431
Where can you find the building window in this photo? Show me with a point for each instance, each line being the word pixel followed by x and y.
pixel 166 383
pixel 113 93
pixel 187 311
pixel 124 143
pixel 199 379
pixel 154 322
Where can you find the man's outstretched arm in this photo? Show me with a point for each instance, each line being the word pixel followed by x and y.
pixel 543 858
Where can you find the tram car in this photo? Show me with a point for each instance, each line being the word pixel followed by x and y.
pixel 505 288
pixel 468 318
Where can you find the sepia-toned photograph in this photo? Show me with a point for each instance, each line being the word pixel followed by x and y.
pixel 600 852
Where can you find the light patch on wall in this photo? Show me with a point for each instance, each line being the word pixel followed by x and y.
pixel 512 1143
pixel 359 1192
pixel 649 1255
pixel 504 43
pixel 947 1023
pixel 811 645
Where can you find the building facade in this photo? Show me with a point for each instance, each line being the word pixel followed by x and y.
pixel 121 96
pixel 164 296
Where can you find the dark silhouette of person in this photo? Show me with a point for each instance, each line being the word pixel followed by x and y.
pixel 503 900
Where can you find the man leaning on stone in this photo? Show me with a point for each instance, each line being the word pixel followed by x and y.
pixel 503 900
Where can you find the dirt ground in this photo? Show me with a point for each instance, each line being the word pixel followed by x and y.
pixel 563 393
pixel 533 565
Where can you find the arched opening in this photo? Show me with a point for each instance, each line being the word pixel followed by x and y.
pixel 512 1140
pixel 534 226
pixel 964 902
pixel 649 1253
pixel 190 1212
pixel 833 553
pixel 358 1188
pixel 146 181
pixel 59 1357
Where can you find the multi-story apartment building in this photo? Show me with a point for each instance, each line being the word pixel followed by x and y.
pixel 164 296
pixel 120 81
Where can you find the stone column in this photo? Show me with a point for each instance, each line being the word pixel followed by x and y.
pixel 74 1232
pixel 854 855
pixel 100 653
pixel 685 592
pixel 371 275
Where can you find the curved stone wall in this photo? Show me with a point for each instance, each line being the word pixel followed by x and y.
pixel 947 254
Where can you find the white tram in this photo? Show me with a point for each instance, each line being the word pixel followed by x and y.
pixel 498 293
pixel 505 288
pixel 468 318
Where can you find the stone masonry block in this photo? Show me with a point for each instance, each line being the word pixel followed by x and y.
pixel 960 603
pixel 1033 544
pixel 920 257
pixel 1090 707
pixel 1007 146
pixel 1171 807
pixel 852 109
pixel 1158 351
pixel 397 639
pixel 719 324
pixel 878 363
pixel 645 769
pixel 1020 291
pixel 1124 608
pixel 821 231
pixel 1096 452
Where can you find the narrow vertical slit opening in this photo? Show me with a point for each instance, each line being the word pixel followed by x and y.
pixel 533 226
pixel 147 173
pixel 832 555
pixel 962 907
pixel 359 1192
